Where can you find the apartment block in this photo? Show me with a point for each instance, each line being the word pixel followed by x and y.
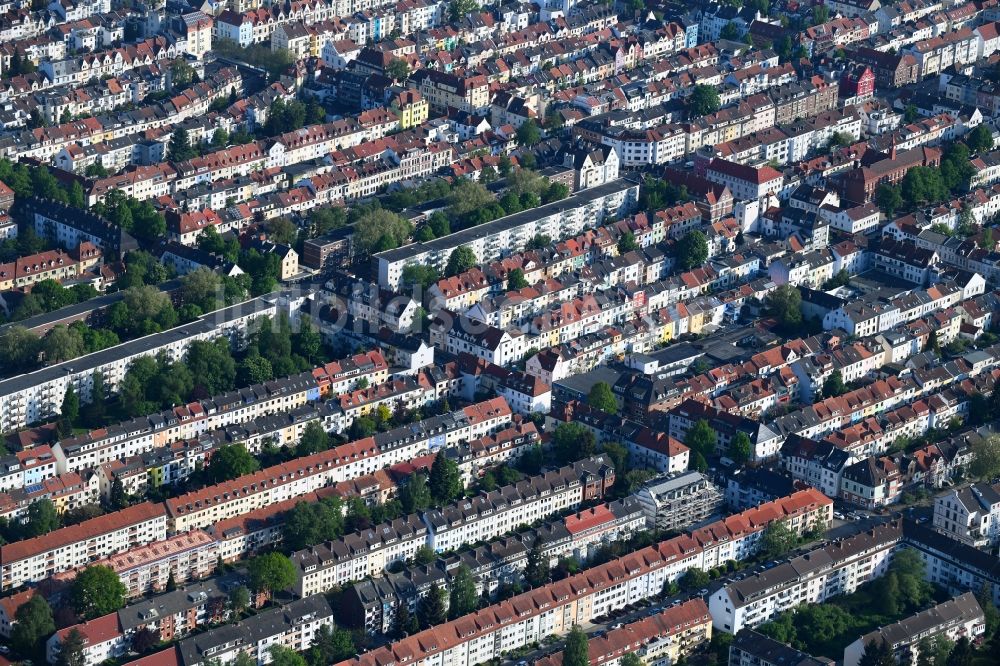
pixel 970 514
pixel 559 219
pixel 484 517
pixel 838 568
pixel 555 608
pixel 38 395
pixel 663 638
pixel 490 514
pixel 76 546
pixel 750 648
pixel 678 500
pixel 961 617
pixel 293 626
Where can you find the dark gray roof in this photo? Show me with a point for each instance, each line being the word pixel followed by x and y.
pixel 466 236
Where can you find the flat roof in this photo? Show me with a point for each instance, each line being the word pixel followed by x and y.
pixel 471 234
pixel 203 324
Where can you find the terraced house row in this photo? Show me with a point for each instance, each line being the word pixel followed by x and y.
pixel 555 608
pixel 480 518
pixel 32 560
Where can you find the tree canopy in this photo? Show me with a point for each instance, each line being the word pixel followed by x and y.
pixel 577 650
pixel 703 100
pixel 603 398
pixel 462 258
pixel 691 250
pixel 445 480
pixel 270 572
pixel 97 591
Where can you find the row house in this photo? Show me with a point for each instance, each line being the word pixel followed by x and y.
pixel 137 436
pixel 294 626
pixel 937 54
pixel 51 265
pixel 555 608
pixel 669 635
pixel 488 515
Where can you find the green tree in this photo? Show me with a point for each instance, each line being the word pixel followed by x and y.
pixel 231 461
pixel 572 442
pixel 703 100
pixel 834 386
pixel 730 31
pixel 701 438
pixel 694 578
pixel 62 343
pixel 181 74
pixel 986 454
pixel 980 139
pixel 603 398
pixel 424 555
pixel 932 343
pixel 70 409
pixel 97 591
pixel 632 659
pixel 465 202
pixel 239 600
pixel 420 274
pixel 397 70
pixel 627 243
pixel 202 287
pixel 270 572
pixel 528 134
pixel 281 230
pixel 254 369
pixel 34 625
pixel 117 498
pixel 555 192
pixel 740 448
pixel 212 366
pixel 71 649
pixel 785 303
pixel 445 480
pixel 431 607
pixel 376 229
pixel 516 280
pixel 406 623
pixel 877 653
pixel 415 495
pixel 962 654
pixel 778 539
pixel 330 646
pixel 536 570
pixel 314 440
pixel 283 656
pixel 618 455
pixel 990 611
pixel 459 9
pixel 691 250
pixel 889 199
pixel 464 599
pixel 462 258
pixel 41 518
pixel 19 349
pixel 180 149
pixel 577 650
